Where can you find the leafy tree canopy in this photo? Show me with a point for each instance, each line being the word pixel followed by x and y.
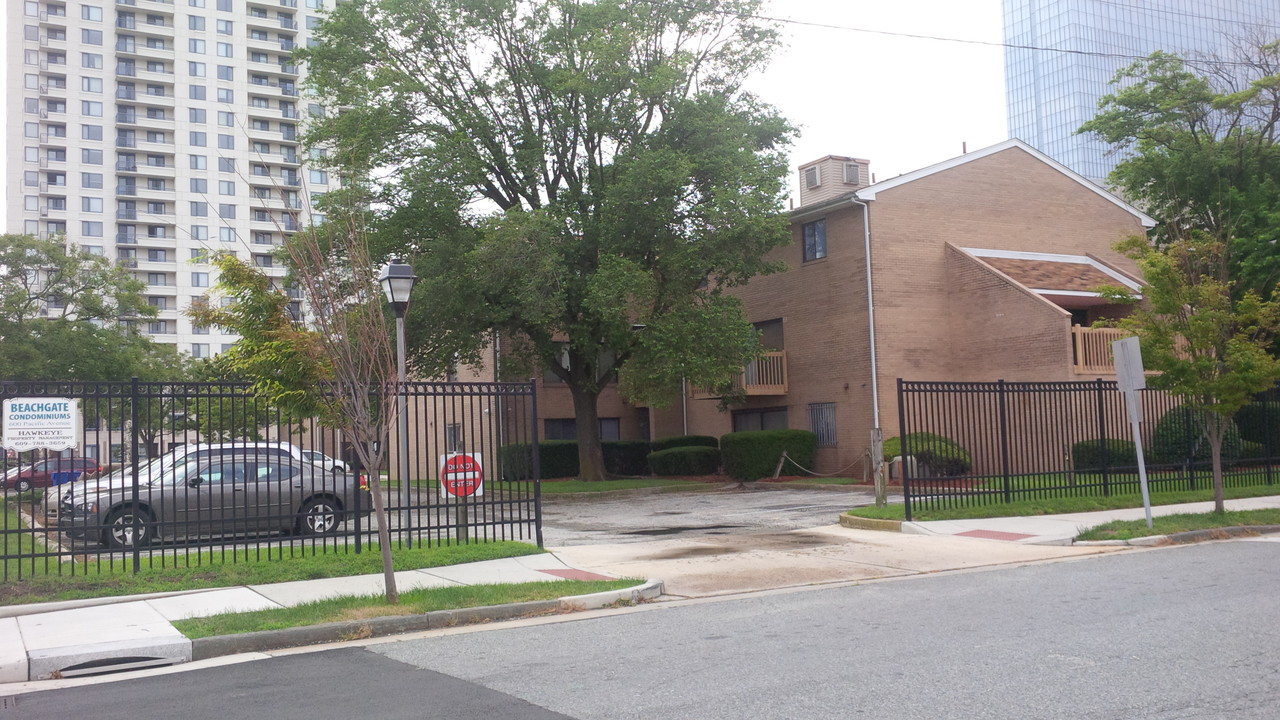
pixel 1199 138
pixel 563 173
pixel 60 313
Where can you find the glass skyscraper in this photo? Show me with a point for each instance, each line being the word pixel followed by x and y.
pixel 1051 92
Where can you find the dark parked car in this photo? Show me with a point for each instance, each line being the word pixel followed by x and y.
pixel 46 473
pixel 217 494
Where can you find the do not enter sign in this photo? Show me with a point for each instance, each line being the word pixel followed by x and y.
pixel 462 475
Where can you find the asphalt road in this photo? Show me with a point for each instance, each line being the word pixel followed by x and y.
pixel 570 520
pixel 1176 633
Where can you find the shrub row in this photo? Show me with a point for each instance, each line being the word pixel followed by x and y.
pixel 559 458
pixel 940 455
pixel 754 454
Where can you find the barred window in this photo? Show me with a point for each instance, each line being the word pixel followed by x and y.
pixel 822 420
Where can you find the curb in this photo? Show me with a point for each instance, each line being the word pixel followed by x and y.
pixel 210 647
pixel 860 523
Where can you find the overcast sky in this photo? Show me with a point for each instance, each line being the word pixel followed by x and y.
pixel 902 103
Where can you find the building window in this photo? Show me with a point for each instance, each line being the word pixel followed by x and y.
pixel 822 421
pixel 815 240
pixel 762 419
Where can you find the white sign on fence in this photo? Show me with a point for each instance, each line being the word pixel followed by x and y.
pixel 40 423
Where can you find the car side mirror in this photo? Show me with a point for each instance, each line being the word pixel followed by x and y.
pixel 195 482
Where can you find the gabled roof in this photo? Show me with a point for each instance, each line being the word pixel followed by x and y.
pixel 869 192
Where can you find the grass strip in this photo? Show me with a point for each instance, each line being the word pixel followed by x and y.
pixel 413 602
pixel 242 566
pixel 1183 522
pixel 1056 506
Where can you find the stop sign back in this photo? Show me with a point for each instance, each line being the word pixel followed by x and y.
pixel 462 475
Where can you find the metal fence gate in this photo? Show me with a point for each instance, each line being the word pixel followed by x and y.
pixel 141 488
pixel 966 444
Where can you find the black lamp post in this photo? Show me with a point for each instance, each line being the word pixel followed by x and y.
pixel 397 280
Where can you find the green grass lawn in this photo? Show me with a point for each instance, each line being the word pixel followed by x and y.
pixel 413 602
pixel 1170 524
pixel 1056 506
pixel 243 566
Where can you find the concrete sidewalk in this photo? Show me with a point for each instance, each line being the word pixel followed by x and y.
pixel 1062 529
pixel 78 637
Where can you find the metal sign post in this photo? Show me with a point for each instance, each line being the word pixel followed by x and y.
pixel 1131 378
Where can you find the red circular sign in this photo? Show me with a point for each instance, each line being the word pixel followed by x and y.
pixel 462 475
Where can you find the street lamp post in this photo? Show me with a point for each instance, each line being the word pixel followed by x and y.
pixel 397 280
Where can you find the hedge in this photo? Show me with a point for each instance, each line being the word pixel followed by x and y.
pixel 1250 419
pixel 685 460
pixel 1096 455
pixel 939 454
pixel 625 457
pixel 684 441
pixel 1179 438
pixel 559 458
pixel 754 454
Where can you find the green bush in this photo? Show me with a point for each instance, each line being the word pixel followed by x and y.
pixel 940 455
pixel 557 458
pixel 626 457
pixel 684 441
pixel 1179 438
pixel 1250 450
pixel 1253 420
pixel 1096 455
pixel 754 454
pixel 685 460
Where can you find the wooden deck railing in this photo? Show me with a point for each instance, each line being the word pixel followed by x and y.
pixel 766 375
pixel 1092 349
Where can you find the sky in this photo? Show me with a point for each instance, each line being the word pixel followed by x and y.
pixel 902 103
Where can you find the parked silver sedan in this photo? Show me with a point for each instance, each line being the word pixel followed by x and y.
pixel 231 493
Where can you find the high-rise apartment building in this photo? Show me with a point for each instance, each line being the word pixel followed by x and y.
pixel 1063 54
pixel 156 131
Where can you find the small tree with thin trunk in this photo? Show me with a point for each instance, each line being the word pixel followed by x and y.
pixel 340 367
pixel 1212 349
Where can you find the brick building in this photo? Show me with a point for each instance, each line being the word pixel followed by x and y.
pixel 983 267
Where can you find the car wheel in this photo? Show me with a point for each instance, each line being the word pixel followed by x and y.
pixel 121 531
pixel 22 485
pixel 319 516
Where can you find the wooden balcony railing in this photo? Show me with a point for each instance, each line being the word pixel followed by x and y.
pixel 1092 349
pixel 766 375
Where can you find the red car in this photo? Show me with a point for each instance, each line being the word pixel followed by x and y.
pixel 45 473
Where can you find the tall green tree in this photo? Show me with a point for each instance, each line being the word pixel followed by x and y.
pixel 1210 343
pixel 584 177
pixel 64 314
pixel 1199 141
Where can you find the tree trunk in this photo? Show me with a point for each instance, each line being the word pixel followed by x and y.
pixel 587 418
pixel 1217 429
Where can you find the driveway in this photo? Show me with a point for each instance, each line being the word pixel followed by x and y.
pixel 640 516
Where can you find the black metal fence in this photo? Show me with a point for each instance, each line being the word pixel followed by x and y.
pixel 968 444
pixel 189 474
